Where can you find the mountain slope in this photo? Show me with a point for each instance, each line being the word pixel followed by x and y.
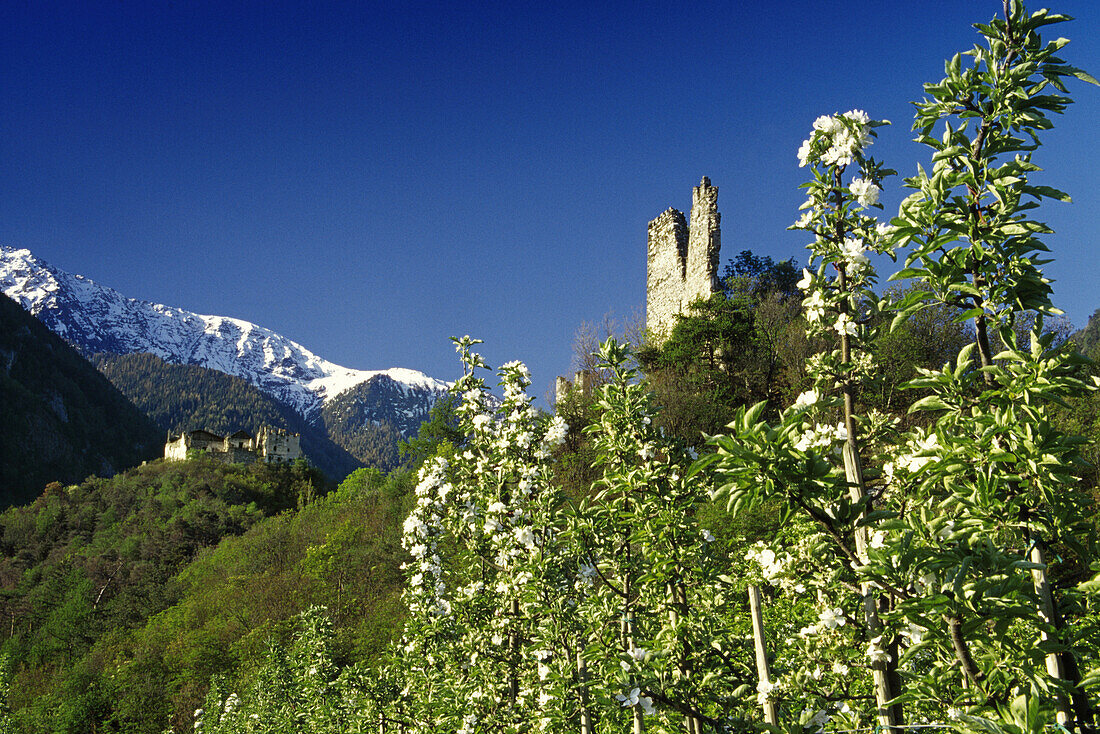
pixel 61 419
pixel 84 568
pixel 1088 337
pixel 98 319
pixel 182 397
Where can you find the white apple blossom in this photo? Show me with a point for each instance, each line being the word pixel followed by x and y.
pixel 845 325
pixel 923 453
pixel 914 633
pixel 469 724
pixel 629 699
pixel 821 436
pixel 876 652
pixel 803 153
pixel 807 399
pixel 815 307
pixel 852 251
pixel 764 691
pixel 832 618
pixel 556 432
pixel 865 191
pixel 827 124
pixel 526 537
pixel 817 722
pixel 807 280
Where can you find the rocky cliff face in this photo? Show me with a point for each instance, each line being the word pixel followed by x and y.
pixel 95 319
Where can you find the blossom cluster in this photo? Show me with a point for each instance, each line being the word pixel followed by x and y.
pixel 821 437
pixel 836 139
pixel 921 452
pixel 420 538
pixel 770 564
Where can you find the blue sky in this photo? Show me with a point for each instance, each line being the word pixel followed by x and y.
pixel 371 178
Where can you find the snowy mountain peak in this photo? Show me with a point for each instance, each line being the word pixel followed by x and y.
pixel 99 319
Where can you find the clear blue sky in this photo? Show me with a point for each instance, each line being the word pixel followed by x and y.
pixel 370 178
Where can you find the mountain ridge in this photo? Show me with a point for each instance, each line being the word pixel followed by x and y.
pixel 97 318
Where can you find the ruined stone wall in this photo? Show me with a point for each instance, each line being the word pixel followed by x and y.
pixel 704 242
pixel 665 270
pixel 682 263
pixel 278 444
pixel 584 383
pixel 176 450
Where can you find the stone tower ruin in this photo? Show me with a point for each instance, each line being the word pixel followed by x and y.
pixel 682 264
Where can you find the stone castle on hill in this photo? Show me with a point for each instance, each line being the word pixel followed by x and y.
pixel 682 263
pixel 272 445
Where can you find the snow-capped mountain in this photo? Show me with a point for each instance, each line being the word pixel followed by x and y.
pixel 98 319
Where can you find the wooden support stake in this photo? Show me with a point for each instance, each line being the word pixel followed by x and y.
pixel 1048 615
pixel 771 715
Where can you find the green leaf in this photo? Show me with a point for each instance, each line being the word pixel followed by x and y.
pixel 1084 76
pixel 1048 192
pixel 929 402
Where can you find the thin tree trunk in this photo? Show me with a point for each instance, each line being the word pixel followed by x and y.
pixel 972 677
pixel 513 647
pixel 888 713
pixel 582 687
pixel 677 606
pixel 771 716
pixel 626 629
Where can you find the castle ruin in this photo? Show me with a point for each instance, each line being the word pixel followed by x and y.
pixel 682 267
pixel 273 445
pixel 682 261
pixel 583 383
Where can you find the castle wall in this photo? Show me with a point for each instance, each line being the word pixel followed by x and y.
pixel 682 264
pixel 584 382
pixel 235 455
pixel 704 242
pixel 665 270
pixel 176 450
pixel 562 387
pixel 276 444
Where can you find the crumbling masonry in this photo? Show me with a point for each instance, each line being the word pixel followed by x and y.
pixel 683 259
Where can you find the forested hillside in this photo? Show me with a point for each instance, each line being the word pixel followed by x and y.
pixel 103 629
pixel 1087 338
pixel 61 420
